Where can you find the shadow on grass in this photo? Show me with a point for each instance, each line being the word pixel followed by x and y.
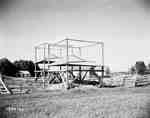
pixel 7 112
pixel 86 82
pixel 3 113
pixel 91 82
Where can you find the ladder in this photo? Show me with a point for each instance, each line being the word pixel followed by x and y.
pixel 4 89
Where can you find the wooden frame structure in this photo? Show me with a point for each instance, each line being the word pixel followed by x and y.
pixel 66 62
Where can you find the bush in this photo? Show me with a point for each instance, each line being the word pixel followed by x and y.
pixel 108 72
pixel 132 70
pixel 26 65
pixel 7 68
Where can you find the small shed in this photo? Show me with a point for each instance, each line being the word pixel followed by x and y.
pixel 24 73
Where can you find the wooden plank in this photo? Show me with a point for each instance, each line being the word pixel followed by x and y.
pixel 84 75
pixel 5 86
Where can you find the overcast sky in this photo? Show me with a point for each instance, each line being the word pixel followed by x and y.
pixel 123 25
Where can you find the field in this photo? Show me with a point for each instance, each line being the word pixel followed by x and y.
pixel 82 102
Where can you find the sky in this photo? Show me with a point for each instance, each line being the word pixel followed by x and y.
pixel 123 26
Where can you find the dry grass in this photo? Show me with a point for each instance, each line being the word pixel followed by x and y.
pixel 83 102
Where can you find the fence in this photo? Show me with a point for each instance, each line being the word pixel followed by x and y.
pixel 127 80
pixel 13 85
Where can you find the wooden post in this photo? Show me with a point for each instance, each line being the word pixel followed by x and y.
pixel 67 69
pixel 80 74
pixel 60 52
pixel 35 49
pixel 80 51
pixel 44 70
pixel 102 68
pixel 72 51
pixel 49 53
pixel 102 76
pixel 48 59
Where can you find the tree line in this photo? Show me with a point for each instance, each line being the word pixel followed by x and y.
pixel 12 68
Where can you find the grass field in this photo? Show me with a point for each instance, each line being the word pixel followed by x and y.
pixel 83 102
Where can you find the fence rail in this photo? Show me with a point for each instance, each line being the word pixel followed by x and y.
pixel 14 85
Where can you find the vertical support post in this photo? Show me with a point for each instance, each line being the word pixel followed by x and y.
pixel 48 59
pixel 67 69
pixel 60 52
pixel 102 64
pixel 49 53
pixel 44 70
pixel 80 51
pixel 44 60
pixel 72 50
pixel 80 74
pixel 35 54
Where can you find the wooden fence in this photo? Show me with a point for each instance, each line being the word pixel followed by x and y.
pixel 128 80
pixel 142 80
pixel 13 85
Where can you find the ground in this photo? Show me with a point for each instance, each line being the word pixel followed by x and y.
pixel 82 102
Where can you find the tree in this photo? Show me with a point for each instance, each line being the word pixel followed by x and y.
pixel 132 70
pixel 107 71
pixel 26 65
pixel 140 67
pixel 148 66
pixel 7 68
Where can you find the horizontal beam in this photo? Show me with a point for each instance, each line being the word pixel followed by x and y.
pixel 70 46
pixel 55 45
pixel 60 41
pixel 42 44
pixel 70 70
pixel 96 42
pixel 90 45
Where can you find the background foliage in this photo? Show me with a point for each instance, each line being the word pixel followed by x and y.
pixel 11 69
